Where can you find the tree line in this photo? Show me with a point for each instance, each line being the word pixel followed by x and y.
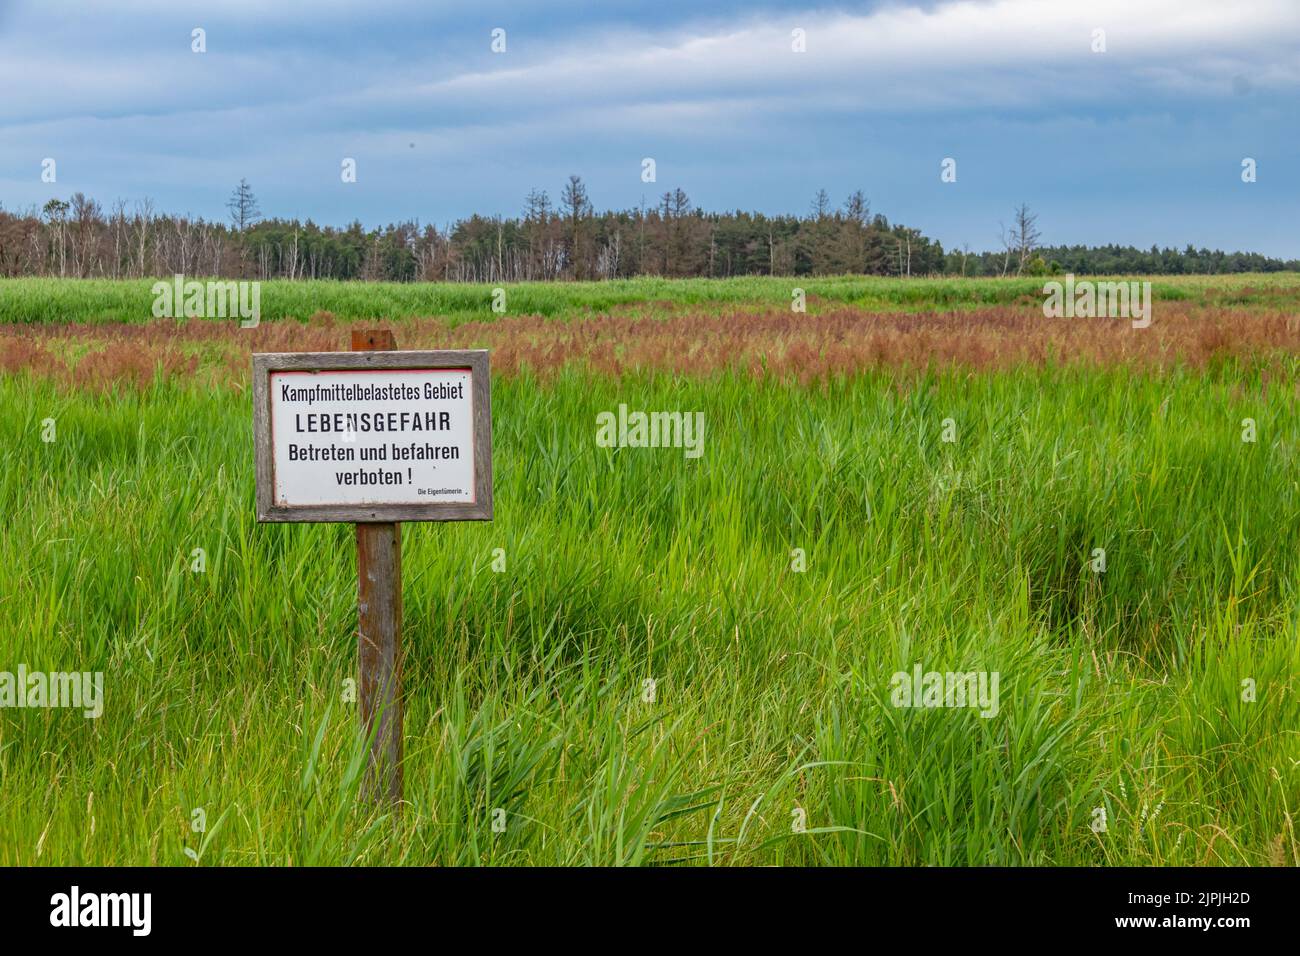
pixel 564 238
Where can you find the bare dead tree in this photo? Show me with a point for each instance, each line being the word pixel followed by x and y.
pixel 243 206
pixel 1025 236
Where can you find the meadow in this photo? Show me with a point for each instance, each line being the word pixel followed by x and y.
pixel 646 659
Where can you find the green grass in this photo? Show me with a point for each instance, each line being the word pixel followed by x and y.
pixel 103 300
pixel 225 689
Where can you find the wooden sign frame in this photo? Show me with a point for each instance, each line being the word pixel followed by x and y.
pixel 475 360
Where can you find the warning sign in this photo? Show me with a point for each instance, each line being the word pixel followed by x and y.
pixel 391 432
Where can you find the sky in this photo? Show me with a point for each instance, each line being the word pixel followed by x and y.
pixel 1139 142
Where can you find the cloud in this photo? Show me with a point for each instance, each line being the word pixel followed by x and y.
pixel 1010 54
pixel 1007 54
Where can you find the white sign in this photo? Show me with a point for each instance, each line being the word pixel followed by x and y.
pixel 371 437
pixel 369 440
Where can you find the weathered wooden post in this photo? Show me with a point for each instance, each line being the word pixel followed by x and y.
pixel 379 632
pixel 375 437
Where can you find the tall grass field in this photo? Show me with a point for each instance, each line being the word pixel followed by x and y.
pixel 653 659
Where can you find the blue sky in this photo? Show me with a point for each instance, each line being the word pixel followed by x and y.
pixel 1140 144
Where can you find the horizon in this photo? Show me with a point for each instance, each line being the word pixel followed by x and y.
pixel 447 228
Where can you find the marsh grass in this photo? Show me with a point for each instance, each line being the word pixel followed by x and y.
pixel 41 300
pixel 225 689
